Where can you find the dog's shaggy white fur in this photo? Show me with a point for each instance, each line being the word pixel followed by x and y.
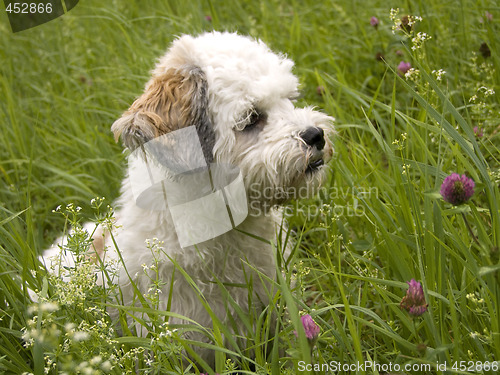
pixel 239 95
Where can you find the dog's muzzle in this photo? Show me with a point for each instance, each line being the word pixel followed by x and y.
pixel 314 138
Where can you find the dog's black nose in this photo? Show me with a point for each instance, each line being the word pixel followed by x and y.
pixel 313 136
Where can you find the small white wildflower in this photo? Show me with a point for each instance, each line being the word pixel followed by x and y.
pixel 69 327
pixel 439 74
pixel 412 74
pixel 419 40
pixel 394 13
pixel 106 366
pixel 80 336
pixel 96 360
pixel 27 336
pixel 487 91
pixel 32 309
pixel 400 142
pixel 49 307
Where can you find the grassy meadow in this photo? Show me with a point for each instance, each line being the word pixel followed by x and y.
pixel 378 223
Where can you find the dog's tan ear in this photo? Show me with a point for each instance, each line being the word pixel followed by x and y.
pixel 173 100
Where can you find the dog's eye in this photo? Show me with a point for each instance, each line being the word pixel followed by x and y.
pixel 250 120
pixel 253 120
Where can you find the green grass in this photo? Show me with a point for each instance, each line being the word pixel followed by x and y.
pixel 378 223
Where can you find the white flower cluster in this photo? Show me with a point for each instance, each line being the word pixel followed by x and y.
pixel 412 74
pixel 439 74
pixel 402 23
pixel 399 143
pixel 487 92
pixel 43 329
pixel 419 40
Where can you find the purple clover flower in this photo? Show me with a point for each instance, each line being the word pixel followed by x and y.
pixel 374 22
pixel 457 189
pixel 403 67
pixel 310 327
pixel 414 300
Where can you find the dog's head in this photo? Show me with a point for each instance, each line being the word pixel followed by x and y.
pixel 240 97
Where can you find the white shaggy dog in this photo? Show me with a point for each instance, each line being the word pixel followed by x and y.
pixel 238 98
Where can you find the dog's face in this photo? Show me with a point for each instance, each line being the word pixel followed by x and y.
pixel 240 97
